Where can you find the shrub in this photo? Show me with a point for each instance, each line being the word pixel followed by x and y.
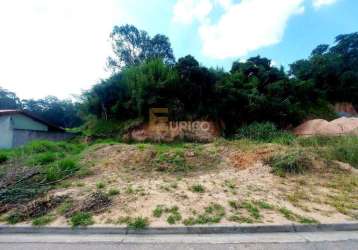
pixel 264 132
pixel 81 219
pixel 294 162
pixel 138 223
pixel 174 218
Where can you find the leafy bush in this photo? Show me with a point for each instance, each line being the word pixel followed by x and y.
pixel 294 162
pixel 264 132
pixel 81 219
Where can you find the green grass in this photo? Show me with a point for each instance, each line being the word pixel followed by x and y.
pixel 264 205
pixel 61 169
pixel 212 215
pixel 42 159
pixel 252 209
pixel 340 148
pixel 264 132
pixel 288 214
pixel 241 219
pixel 113 192
pixel 81 219
pixel 292 162
pixel 44 220
pixel 197 188
pixel 138 223
pixel 234 204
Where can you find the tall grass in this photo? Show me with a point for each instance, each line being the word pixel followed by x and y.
pixel 339 148
pixel 264 132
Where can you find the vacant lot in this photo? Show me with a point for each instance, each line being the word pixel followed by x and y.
pixel 225 182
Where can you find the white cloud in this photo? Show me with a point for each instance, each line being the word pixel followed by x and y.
pixel 247 26
pixel 186 11
pixel 320 3
pixel 54 47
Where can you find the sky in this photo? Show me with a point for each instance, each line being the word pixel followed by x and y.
pixel 59 47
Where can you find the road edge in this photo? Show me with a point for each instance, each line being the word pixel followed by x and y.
pixel 215 229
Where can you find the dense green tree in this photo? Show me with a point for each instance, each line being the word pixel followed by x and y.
pixel 196 89
pixel 63 113
pixel 132 47
pixel 9 100
pixel 332 69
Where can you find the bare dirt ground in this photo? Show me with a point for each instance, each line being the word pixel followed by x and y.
pixel 225 183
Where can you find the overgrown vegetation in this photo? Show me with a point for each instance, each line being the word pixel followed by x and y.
pixel 35 168
pixel 291 162
pixel 264 132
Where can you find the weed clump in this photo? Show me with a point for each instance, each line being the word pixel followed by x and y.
pixel 212 214
pixel 197 188
pixel 294 162
pixel 138 223
pixel 81 219
pixel 288 214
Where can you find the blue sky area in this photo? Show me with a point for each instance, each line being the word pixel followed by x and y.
pixel 60 47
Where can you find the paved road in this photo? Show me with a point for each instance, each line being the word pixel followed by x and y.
pixel 287 241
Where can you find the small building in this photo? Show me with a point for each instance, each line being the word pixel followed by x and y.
pixel 18 127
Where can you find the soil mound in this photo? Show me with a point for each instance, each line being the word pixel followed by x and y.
pixel 339 126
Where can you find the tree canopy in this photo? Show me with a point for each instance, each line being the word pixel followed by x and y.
pixel 132 47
